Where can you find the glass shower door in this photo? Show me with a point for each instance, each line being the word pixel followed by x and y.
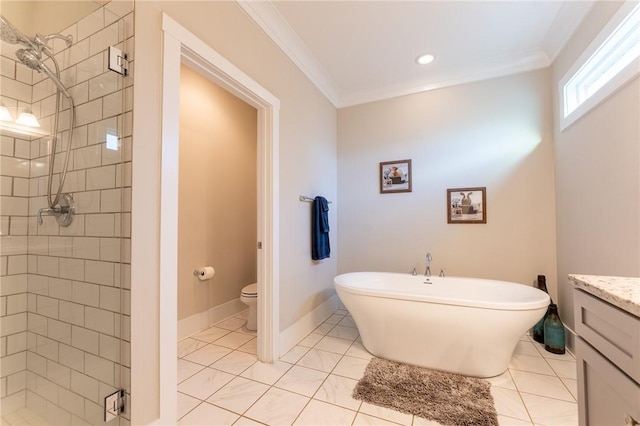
pixel 64 287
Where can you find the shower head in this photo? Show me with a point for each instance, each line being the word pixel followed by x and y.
pixel 8 32
pixel 11 34
pixel 30 58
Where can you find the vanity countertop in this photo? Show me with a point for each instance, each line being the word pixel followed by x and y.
pixel 623 292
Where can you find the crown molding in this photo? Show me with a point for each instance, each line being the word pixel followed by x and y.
pixel 565 24
pixel 514 64
pixel 267 17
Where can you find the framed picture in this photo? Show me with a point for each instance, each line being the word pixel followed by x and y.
pixel 467 205
pixel 395 176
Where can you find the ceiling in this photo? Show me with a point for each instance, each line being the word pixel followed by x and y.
pixel 363 51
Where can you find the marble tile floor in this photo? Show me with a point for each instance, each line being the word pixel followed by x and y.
pixel 221 382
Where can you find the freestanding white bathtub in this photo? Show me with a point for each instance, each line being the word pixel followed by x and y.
pixel 462 325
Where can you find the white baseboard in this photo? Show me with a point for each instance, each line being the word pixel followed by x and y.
pixel 305 325
pixel 203 320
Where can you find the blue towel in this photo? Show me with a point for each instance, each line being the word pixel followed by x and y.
pixel 320 229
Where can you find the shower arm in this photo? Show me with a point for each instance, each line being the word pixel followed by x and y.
pixel 43 40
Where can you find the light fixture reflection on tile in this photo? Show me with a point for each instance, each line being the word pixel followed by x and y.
pixel 26 118
pixel 5 115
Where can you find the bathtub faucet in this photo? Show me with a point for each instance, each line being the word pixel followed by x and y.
pixel 427 272
pixel 442 272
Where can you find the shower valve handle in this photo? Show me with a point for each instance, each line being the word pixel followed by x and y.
pixel 47 211
pixel 63 212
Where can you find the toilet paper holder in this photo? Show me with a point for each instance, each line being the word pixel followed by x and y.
pixel 204 273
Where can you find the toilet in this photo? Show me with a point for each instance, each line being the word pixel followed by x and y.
pixel 249 296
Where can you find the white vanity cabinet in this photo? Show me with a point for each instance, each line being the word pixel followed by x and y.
pixel 607 358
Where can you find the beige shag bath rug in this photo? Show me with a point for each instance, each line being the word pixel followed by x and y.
pixel 449 399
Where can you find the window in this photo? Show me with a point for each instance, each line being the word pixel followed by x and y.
pixel 612 60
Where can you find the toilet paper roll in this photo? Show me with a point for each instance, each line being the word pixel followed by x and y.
pixel 204 273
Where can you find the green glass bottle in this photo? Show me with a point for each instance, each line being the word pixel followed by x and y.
pixel 554 331
pixel 538 329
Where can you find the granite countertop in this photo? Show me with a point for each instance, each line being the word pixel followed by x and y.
pixel 623 292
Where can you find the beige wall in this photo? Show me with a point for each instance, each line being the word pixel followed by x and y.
pixel 495 133
pixel 597 176
pixel 307 166
pixel 47 17
pixel 217 215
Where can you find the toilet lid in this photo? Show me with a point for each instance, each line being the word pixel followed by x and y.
pixel 250 290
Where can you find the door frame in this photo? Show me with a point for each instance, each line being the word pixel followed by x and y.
pixel 182 47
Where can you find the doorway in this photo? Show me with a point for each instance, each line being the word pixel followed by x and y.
pixel 217 203
pixel 182 47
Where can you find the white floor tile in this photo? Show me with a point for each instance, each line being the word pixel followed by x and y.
pixel 334 319
pixel 187 369
pixel 208 354
pixel 567 356
pixel 510 421
pixel 508 403
pixel 386 414
pixel 186 403
pixel 351 367
pixel 526 348
pixel 367 420
pixel 242 315
pixel 302 380
pixel 245 421
pixel 311 340
pixel 338 390
pixel 533 364
pixel 210 334
pixel 208 415
pixel 266 373
pixel 358 350
pixel 539 387
pixel 251 347
pixel 572 385
pixel 343 332
pixel 541 384
pixel 347 322
pixel 238 395
pixel 323 328
pixel 232 323
pixel 320 360
pixel 419 421
pixel 294 354
pixel 333 344
pixel 245 330
pixel 565 369
pixel 277 407
pixel 318 413
pixel 234 340
pixel 547 411
pixel 186 346
pixel 203 384
pixel 235 362
pixel 502 381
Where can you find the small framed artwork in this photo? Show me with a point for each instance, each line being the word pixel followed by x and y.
pixel 395 176
pixel 467 205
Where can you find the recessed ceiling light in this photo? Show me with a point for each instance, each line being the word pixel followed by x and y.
pixel 425 59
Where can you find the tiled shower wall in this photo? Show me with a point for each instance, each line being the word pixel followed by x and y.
pixel 14 205
pixel 65 291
